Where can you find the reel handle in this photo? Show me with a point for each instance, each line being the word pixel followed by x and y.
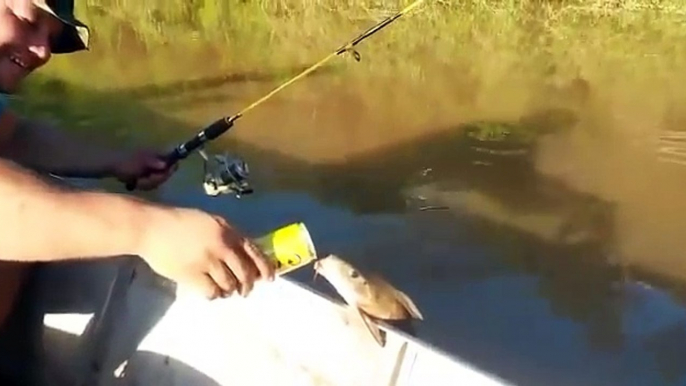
pixel 182 151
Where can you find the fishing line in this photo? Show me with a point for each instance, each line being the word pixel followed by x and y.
pixel 237 170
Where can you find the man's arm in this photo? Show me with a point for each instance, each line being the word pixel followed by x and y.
pixel 41 146
pixel 45 222
pixel 42 222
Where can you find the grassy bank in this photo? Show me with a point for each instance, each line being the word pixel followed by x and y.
pixel 529 35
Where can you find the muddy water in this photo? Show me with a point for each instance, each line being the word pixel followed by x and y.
pixel 536 223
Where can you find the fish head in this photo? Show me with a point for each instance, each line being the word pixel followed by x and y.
pixel 347 280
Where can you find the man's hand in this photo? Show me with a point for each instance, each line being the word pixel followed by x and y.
pixel 195 248
pixel 144 167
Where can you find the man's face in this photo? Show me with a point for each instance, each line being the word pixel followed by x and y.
pixel 24 42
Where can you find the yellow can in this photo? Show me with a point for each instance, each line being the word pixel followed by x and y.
pixel 290 247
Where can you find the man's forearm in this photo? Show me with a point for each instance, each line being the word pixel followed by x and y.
pixel 41 146
pixel 44 222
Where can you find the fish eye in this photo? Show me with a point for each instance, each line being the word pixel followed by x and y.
pixel 354 274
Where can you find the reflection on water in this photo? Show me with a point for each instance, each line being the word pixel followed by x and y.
pixel 552 198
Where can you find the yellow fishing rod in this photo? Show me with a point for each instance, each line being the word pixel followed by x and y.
pixel 235 172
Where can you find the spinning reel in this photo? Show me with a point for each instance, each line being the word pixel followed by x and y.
pixel 224 174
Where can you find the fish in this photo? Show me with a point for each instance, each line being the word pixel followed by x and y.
pixel 369 295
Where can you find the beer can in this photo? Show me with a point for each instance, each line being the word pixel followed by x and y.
pixel 289 247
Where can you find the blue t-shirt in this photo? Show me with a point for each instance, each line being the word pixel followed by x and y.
pixel 3 104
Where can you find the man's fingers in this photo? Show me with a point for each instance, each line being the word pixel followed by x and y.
pixel 207 287
pixel 152 181
pixel 263 264
pixel 157 164
pixel 242 269
pixel 223 278
pixel 151 159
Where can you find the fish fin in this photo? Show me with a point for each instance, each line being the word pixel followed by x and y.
pixel 408 304
pixel 402 297
pixel 373 328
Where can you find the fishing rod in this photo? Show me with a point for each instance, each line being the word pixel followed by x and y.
pixel 230 174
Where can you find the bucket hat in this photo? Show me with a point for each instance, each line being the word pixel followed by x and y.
pixel 75 34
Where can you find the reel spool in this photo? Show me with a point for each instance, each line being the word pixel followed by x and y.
pixel 224 174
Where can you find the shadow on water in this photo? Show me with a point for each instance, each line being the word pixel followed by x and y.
pixel 155 90
pixel 455 157
pixel 514 271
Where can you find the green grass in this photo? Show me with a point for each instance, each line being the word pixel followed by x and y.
pixel 529 35
pixel 446 57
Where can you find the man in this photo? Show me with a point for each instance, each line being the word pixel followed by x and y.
pixel 46 222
